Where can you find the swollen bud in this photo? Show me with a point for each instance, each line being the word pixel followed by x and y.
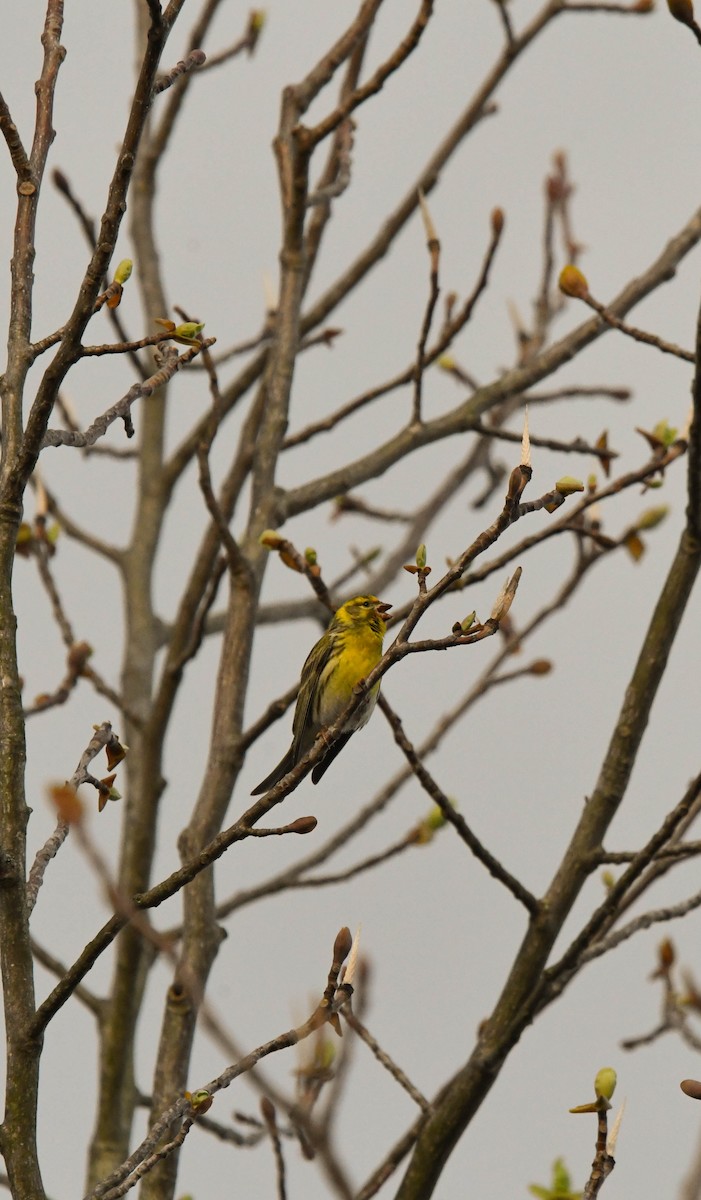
pixel 342 945
pixel 302 825
pixel 652 517
pixel 568 484
pixel 123 271
pixel 189 330
pixel 421 556
pixel 682 10
pixel 497 220
pixel 573 283
pixel 200 1101
pixel 435 819
pixel 605 1083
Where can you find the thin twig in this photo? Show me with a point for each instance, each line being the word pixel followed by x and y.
pixel 172 362
pixel 455 818
pixel 383 1057
pixel 18 154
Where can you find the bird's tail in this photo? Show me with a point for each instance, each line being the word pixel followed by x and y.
pixel 286 764
pixel 328 758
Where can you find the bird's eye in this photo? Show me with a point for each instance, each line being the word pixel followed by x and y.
pixel 367 604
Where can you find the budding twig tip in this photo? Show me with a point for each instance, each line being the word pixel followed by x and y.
pixel 525 443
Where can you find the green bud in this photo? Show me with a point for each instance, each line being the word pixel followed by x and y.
pixel 324 1054
pixel 310 556
pixel 468 622
pixel 652 517
pixel 435 818
pixel 665 433
pixel 188 330
pixel 605 1082
pixel 123 271
pixel 421 556
pixel 561 1176
pixel 568 484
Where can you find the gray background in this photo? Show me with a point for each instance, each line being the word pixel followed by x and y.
pixel 621 96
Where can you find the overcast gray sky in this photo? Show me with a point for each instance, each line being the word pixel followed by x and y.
pixel 621 96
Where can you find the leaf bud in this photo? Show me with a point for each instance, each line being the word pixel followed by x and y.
pixel 652 517
pixel 78 656
pixel 573 283
pixel 123 271
pixel 189 330
pixel 200 1101
pixel 342 944
pixel 303 825
pixel 634 545
pixel 421 556
pixel 568 484
pixel 436 819
pixel 562 1181
pixel 682 10
pixel 605 1082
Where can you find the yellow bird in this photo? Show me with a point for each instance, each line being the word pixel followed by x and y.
pixel 345 654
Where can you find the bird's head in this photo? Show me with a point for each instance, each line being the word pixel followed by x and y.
pixel 364 610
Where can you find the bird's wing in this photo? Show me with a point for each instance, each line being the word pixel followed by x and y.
pixel 307 722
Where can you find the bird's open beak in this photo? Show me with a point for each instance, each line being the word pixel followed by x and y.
pixel 382 609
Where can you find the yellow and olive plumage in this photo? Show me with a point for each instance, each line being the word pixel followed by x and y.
pixel 345 654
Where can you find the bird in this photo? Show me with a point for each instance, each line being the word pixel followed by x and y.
pixel 343 656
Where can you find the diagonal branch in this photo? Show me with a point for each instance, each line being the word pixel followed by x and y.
pixel 453 817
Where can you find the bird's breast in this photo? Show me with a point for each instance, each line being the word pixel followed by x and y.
pixel 359 654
